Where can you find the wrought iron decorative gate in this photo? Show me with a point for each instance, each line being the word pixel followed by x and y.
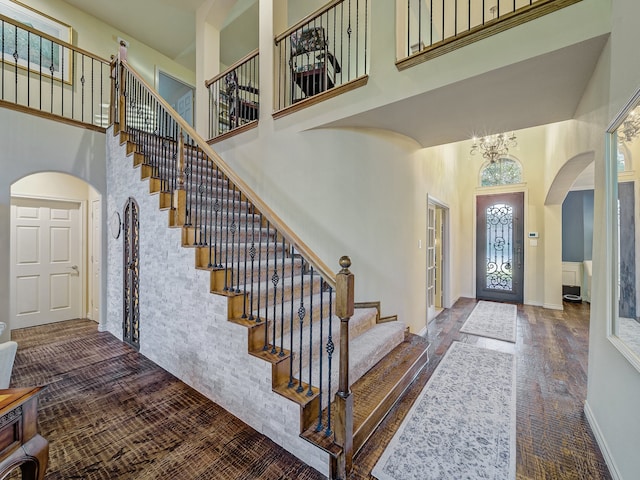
pixel 499 247
pixel 131 293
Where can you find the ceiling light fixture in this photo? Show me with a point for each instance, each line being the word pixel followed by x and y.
pixel 630 128
pixel 492 147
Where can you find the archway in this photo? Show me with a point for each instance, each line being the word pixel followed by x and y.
pixel 572 188
pixel 55 250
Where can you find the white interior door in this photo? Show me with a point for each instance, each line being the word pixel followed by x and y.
pixel 46 266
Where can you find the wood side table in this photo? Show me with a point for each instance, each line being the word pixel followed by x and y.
pixel 20 444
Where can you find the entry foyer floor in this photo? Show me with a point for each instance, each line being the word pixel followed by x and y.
pixel 109 413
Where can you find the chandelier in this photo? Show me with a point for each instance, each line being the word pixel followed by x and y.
pixel 630 128
pixel 492 147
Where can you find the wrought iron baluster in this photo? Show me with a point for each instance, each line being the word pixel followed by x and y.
pixel 252 253
pixel 301 315
pixel 291 322
pixel 366 32
pixel 311 293
pixel 72 74
pixel 82 80
pixel 319 426
pixel 92 87
pixel 275 279
pixel 266 291
pixel 198 192
pixel 330 349
pixel 226 246
pixel 213 217
pixel 259 269
pixel 217 207
pixel 28 63
pixel 349 44
pixel 238 226
pixel 282 300
pixel 234 228
pixel 246 254
pixel 180 148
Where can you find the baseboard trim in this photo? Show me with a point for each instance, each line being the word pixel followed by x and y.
pixel 553 306
pixel 423 332
pixel 602 443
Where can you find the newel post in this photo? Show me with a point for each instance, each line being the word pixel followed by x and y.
pixel 344 399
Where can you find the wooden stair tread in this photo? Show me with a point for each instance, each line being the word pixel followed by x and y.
pixel 268 356
pixel 302 398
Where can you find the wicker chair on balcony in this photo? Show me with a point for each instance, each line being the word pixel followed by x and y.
pixel 313 66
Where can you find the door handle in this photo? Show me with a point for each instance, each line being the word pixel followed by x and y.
pixel 74 267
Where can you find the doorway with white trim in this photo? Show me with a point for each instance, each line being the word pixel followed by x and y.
pixel 55 250
pixel 437 257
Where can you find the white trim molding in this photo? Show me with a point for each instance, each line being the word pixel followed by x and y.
pixel 602 443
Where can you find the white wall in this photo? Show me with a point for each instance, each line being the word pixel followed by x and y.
pixel 614 385
pixel 30 145
pixel 97 37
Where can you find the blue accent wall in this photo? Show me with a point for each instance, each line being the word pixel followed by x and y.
pixel 577 226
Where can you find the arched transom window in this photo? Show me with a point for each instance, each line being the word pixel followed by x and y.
pixel 504 171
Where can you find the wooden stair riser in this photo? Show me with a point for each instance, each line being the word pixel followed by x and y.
pixel 138 159
pixel 155 185
pixel 165 200
pixel 147 171
pixel 362 433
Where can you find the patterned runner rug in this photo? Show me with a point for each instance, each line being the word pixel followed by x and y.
pixel 492 320
pixel 463 423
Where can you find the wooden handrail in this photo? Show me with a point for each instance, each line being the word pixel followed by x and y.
pixel 55 40
pixel 233 66
pixel 307 19
pixel 249 194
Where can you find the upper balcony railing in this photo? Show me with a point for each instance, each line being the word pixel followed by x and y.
pixel 234 97
pixel 44 75
pixel 435 27
pixel 322 55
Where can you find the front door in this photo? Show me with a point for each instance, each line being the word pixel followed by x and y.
pixel 500 247
pixel 46 261
pixel 131 264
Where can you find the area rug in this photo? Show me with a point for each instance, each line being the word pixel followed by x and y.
pixel 492 320
pixel 463 423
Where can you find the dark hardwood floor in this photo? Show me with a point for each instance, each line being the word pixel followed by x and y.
pixel 110 413
pixel 553 440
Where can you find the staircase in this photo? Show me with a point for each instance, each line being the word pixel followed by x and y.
pixel 339 361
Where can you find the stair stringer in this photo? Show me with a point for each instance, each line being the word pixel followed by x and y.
pixel 183 328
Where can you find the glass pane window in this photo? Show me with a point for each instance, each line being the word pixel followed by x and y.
pixel 499 273
pixel 504 171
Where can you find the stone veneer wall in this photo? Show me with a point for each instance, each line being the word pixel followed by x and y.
pixel 183 327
